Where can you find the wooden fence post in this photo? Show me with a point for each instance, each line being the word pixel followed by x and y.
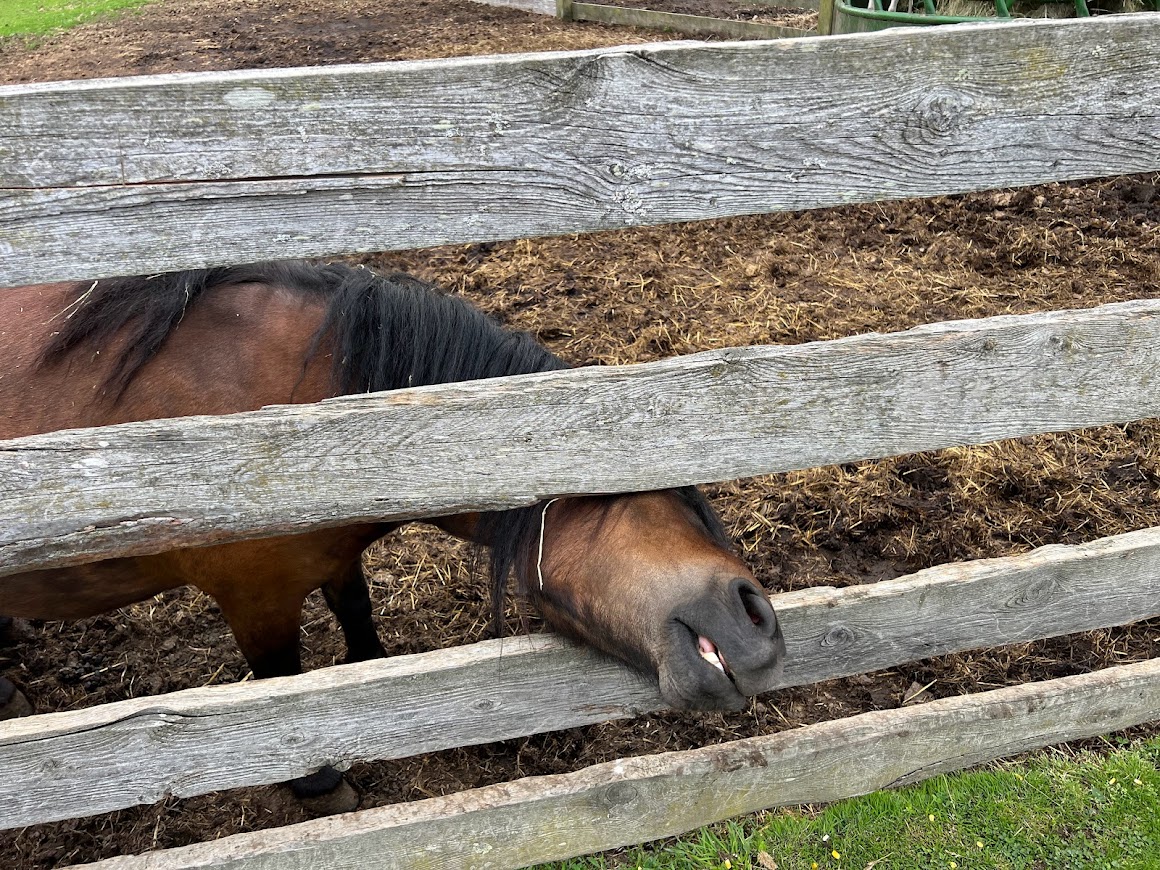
pixel 825 17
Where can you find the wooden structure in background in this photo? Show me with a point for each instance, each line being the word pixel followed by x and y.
pixel 692 25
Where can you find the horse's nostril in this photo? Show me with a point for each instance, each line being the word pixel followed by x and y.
pixel 756 605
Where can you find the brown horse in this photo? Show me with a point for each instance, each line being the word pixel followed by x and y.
pixel 646 577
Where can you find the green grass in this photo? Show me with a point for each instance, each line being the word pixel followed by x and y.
pixel 1056 811
pixel 36 17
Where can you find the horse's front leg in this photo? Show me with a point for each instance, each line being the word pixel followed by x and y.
pixel 13 703
pixel 260 587
pixel 349 600
pixel 266 627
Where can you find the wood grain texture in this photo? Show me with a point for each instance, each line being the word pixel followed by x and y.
pixel 81 495
pixel 65 765
pixel 126 176
pixel 632 800
pixel 694 25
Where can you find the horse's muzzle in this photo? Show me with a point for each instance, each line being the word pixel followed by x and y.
pixel 723 647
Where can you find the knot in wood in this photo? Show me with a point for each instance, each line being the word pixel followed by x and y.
pixel 293 738
pixel 728 759
pixel 1034 596
pixel 619 799
pixel 838 636
pixel 571 90
pixel 940 115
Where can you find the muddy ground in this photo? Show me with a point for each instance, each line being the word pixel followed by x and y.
pixel 633 296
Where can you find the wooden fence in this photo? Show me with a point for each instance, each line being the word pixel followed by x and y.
pixel 132 175
pixel 693 25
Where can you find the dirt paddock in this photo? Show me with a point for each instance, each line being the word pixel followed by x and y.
pixel 632 296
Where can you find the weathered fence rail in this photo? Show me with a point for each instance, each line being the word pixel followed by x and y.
pixel 120 176
pixel 139 175
pixel 635 799
pixel 62 765
pixel 145 487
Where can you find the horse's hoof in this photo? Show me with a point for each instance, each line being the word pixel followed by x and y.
pixel 341 799
pixel 325 792
pixel 13 704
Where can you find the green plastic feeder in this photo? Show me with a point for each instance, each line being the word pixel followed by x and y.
pixel 860 16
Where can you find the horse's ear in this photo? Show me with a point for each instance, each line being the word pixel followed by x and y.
pixel 701 507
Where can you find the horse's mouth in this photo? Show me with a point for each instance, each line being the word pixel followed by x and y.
pixel 709 652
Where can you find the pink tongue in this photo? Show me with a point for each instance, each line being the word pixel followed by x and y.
pixel 709 652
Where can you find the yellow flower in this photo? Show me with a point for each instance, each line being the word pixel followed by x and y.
pixel 979 843
pixel 931 817
pixel 836 853
pixel 953 865
pixel 813 865
pixel 728 865
pixel 1112 781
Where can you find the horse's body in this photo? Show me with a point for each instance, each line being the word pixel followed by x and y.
pixel 645 577
pixel 237 349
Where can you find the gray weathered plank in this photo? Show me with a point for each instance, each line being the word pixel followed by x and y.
pixel 636 799
pixel 154 173
pixel 80 495
pixel 695 25
pixel 64 765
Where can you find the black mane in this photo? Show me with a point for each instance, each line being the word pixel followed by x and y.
pixel 386 332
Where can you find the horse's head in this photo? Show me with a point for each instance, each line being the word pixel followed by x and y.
pixel 650 579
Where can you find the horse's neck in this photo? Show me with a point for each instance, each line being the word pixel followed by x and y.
pixel 237 349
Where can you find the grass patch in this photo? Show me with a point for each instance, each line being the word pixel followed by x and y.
pixel 1059 809
pixel 36 17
